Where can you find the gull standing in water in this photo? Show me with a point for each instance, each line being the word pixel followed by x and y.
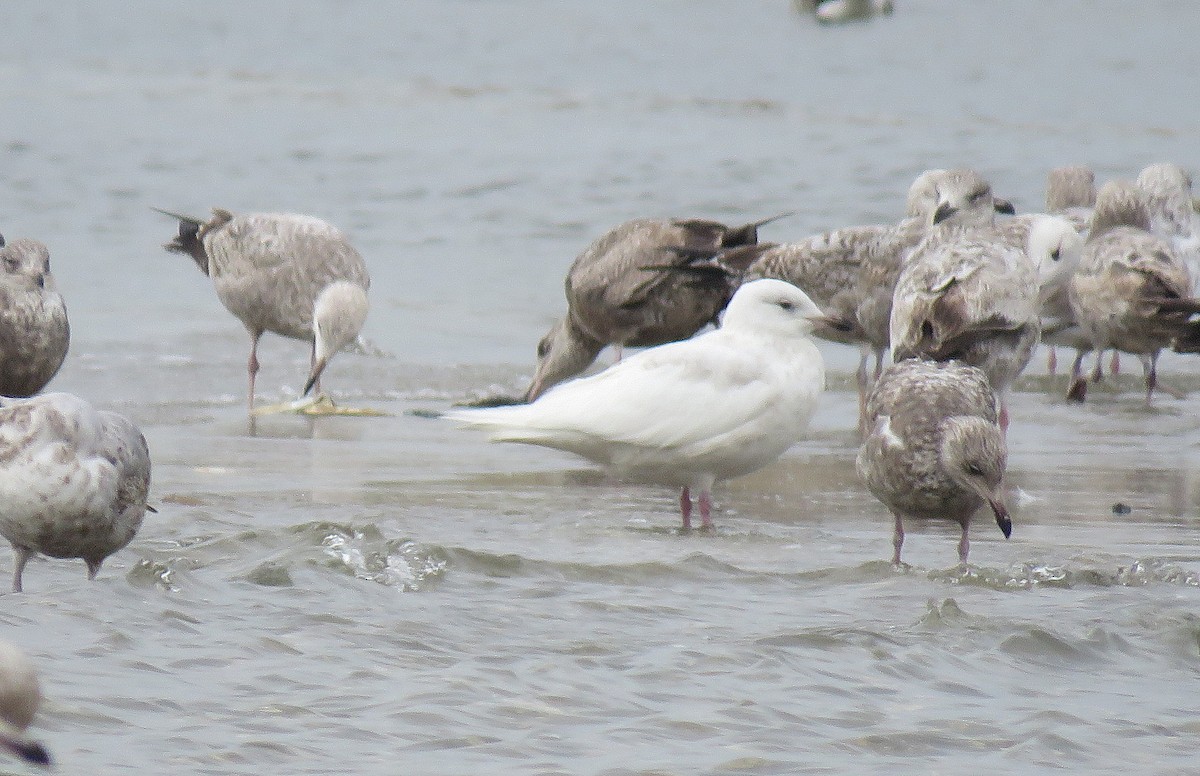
pixel 73 480
pixel 34 333
pixel 20 698
pixel 646 282
pixel 294 275
pixel 689 413
pixel 967 292
pixel 851 274
pixel 1132 292
pixel 1172 215
pixel 1071 194
pixel 935 449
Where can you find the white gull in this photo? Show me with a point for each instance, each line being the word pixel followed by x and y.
pixel 720 405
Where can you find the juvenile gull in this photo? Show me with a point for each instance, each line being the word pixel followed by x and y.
pixel 294 275
pixel 34 333
pixel 1168 191
pixel 969 291
pixel 73 480
pixel 720 405
pixel 20 698
pixel 851 273
pixel 632 287
pixel 1131 292
pixel 935 449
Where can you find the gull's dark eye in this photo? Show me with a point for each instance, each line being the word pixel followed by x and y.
pixel 543 348
pixel 974 470
pixel 978 195
pixel 1056 254
pixel 786 304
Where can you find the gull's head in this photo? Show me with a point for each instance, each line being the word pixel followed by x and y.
pixel 338 316
pixel 1119 203
pixel 974 456
pixel 1072 186
pixel 28 260
pixel 922 194
pixel 1163 179
pixel 773 306
pixel 964 198
pixel 562 353
pixel 1056 249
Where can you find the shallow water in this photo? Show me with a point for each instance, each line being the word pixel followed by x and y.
pixel 396 595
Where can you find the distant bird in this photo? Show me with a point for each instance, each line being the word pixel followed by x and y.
pixel 1071 193
pixel 73 480
pixel 969 291
pixel 1131 292
pixel 934 449
pixel 720 405
pixel 851 273
pixel 293 275
pixel 34 333
pixel 837 11
pixel 643 283
pixel 20 698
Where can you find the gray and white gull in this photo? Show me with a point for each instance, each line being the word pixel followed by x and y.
pixel 73 480
pixel 293 275
pixel 34 331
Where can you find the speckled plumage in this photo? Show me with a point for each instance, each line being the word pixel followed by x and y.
pixel 34 332
pixel 1131 290
pixel 73 480
pixel 269 269
pixel 1071 193
pixel 20 698
pixel 967 292
pixel 934 448
pixel 1173 217
pixel 631 287
pixel 688 413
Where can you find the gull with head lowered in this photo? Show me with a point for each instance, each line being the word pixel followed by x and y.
pixel 290 274
pixel 720 405
pixel 645 282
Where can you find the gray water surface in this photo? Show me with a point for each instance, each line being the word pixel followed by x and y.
pixel 394 595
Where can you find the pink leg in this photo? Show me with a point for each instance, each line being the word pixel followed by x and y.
pixel 1052 362
pixel 1150 369
pixel 863 389
pixel 897 540
pixel 1098 369
pixel 252 367
pixel 1004 416
pixel 964 545
pixel 22 557
pixel 706 509
pixel 685 508
pixel 1077 390
pixel 1115 365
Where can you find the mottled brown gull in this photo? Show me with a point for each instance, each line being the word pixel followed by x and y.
pixel 934 449
pixel 629 288
pixel 293 275
pixel 969 291
pixel 1132 292
pixel 20 698
pixel 34 333
pixel 73 480
pixel 720 405
pixel 851 273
